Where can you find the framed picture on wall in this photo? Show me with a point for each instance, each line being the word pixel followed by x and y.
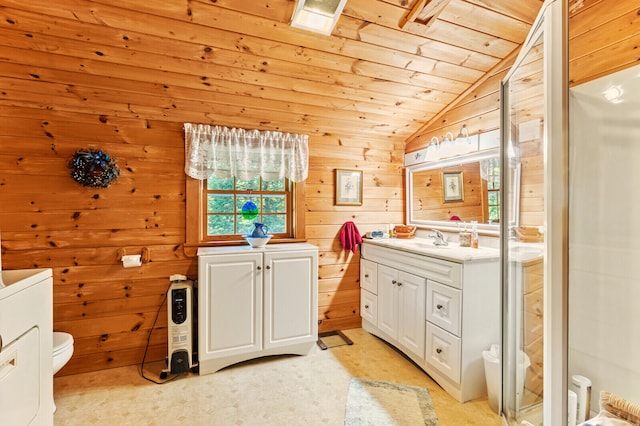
pixel 348 187
pixel 452 189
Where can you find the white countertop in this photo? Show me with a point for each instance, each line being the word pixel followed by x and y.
pixel 15 280
pixel 525 252
pixel 203 251
pixel 452 252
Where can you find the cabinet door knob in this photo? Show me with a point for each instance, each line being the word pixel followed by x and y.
pixel 259 268
pixel 394 282
pixel 366 306
pixel 399 284
pixel 439 350
pixel 268 266
pixel 439 306
pixel 366 275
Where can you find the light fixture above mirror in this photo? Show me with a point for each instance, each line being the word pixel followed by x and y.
pixel 463 135
pixel 449 146
pixel 319 16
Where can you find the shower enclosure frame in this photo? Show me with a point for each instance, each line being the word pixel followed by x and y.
pixel 551 27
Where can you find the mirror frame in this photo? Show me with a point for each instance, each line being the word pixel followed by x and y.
pixel 442 225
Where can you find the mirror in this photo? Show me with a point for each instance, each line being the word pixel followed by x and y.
pixel 466 187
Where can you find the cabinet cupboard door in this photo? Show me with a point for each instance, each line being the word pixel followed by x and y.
pixel 230 287
pixel 290 298
pixel 388 300
pixel 401 307
pixel 411 289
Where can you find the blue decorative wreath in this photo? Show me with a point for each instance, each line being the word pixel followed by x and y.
pixel 93 168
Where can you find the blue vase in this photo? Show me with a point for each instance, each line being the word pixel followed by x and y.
pixel 260 230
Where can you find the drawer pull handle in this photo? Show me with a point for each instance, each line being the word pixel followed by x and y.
pixel 366 306
pixel 439 307
pixel 439 351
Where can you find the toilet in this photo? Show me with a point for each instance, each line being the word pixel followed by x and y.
pixel 62 350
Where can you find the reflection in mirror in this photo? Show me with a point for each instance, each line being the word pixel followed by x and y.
pixel 430 204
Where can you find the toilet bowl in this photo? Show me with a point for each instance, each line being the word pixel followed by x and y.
pixel 62 350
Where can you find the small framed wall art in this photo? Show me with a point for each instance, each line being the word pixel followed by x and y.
pixel 348 187
pixel 452 189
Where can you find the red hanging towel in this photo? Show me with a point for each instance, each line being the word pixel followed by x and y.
pixel 350 237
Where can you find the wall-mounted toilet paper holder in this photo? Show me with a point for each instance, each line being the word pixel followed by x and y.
pixel 128 259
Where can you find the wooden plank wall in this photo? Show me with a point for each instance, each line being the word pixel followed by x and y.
pixel 53 102
pixel 479 110
pixel 604 37
pixel 383 203
pixel 48 220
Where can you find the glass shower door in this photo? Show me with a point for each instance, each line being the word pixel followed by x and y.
pixel 532 232
pixel 523 155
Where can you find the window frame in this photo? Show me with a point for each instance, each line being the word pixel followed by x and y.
pixel 196 217
pixel 486 191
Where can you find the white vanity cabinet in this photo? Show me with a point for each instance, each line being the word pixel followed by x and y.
pixel 256 302
pixel 440 306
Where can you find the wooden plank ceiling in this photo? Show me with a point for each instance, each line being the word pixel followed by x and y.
pixel 387 70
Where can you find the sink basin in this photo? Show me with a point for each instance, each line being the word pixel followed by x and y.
pixel 423 245
pixel 428 246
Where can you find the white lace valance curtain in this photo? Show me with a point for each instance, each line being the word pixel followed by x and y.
pixel 486 165
pixel 244 154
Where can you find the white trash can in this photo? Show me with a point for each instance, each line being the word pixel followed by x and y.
pixel 492 375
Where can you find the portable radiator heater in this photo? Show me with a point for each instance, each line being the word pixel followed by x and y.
pixel 180 325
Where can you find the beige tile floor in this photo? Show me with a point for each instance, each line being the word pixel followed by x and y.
pixel 283 390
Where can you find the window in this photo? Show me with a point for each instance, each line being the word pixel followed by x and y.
pixel 227 197
pixel 493 190
pixel 214 209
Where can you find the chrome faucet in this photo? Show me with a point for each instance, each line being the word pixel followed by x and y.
pixel 438 239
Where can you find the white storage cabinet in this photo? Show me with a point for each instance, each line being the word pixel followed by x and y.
pixel 256 302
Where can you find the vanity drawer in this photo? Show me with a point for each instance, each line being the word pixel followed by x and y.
pixel 369 307
pixel 444 305
pixel 369 276
pixel 443 352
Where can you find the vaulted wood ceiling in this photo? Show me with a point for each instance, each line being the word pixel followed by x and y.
pixel 387 70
